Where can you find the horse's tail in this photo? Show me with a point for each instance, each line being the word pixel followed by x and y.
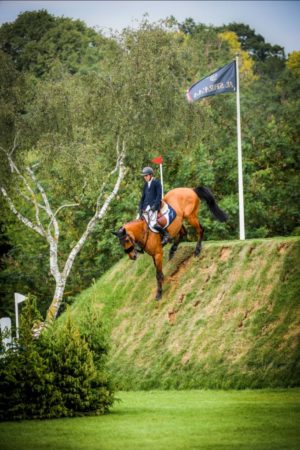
pixel 205 194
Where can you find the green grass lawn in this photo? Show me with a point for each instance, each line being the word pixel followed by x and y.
pixel 177 420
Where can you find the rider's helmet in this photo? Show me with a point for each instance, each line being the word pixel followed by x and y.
pixel 147 171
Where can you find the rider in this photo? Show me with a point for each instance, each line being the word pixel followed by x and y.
pixel 150 200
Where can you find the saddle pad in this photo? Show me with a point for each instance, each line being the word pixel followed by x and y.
pixel 170 216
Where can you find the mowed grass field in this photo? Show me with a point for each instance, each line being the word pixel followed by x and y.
pixel 177 420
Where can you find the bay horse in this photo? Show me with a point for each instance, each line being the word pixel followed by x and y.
pixel 185 201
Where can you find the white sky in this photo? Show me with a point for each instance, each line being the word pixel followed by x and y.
pixel 277 21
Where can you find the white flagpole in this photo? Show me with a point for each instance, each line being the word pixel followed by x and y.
pixel 161 180
pixel 239 152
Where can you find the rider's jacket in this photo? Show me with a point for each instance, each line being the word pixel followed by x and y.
pixel 151 196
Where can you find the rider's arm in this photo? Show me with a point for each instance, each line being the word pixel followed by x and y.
pixel 158 195
pixel 142 199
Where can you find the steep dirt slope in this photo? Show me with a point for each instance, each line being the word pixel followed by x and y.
pixel 229 319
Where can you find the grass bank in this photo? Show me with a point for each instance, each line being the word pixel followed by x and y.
pixel 179 420
pixel 229 319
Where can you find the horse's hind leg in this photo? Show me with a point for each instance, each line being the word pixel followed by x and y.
pixel 199 243
pixel 193 220
pixel 177 240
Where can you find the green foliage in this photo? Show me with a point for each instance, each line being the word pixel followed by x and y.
pixel 59 374
pixel 27 389
pixel 293 62
pixel 269 58
pixel 11 98
pixel 71 94
pixel 83 386
pixel 37 40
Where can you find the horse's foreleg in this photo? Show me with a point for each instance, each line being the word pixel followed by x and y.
pixel 193 220
pixel 177 240
pixel 159 274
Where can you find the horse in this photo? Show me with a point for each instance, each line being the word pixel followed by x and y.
pixel 186 202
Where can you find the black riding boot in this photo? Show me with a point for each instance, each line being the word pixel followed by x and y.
pixel 164 234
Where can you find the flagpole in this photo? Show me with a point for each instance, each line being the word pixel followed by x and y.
pixel 161 180
pixel 239 154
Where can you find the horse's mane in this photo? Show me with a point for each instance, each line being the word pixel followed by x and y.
pixel 134 221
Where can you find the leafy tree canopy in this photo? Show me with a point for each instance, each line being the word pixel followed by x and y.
pixel 269 58
pixel 37 39
pixel 293 62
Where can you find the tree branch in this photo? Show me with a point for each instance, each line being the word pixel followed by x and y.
pixel 15 145
pixel 100 212
pixel 59 209
pixel 32 199
pixel 47 206
pixel 120 158
pixel 29 200
pixel 27 222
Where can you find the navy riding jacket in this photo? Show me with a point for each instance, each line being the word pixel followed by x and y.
pixel 151 196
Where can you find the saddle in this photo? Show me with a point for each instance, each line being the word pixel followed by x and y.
pixel 165 216
pixel 162 218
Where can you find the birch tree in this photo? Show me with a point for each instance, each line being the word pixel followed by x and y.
pixel 46 223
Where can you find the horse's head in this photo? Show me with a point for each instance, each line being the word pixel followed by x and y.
pixel 127 242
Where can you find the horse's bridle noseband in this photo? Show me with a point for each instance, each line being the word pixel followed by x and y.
pixel 129 250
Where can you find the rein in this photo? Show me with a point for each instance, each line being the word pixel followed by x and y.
pixel 143 246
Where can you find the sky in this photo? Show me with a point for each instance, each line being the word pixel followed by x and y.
pixel 277 21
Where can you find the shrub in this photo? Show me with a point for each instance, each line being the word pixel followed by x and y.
pixel 57 375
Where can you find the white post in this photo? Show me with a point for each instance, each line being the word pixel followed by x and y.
pixel 161 179
pixel 239 152
pixel 18 299
pixel 5 327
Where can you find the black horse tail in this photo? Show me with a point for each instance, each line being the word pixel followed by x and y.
pixel 205 194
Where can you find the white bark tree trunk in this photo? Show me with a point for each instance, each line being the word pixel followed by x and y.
pixel 51 233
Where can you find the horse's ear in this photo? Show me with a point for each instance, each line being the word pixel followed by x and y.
pixel 120 232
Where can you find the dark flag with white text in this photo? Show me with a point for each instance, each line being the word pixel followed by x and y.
pixel 219 82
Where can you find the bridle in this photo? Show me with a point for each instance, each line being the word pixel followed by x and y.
pixel 125 236
pixel 122 242
pixel 129 250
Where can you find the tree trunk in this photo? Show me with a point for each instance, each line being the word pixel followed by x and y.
pixel 56 302
pixel 51 233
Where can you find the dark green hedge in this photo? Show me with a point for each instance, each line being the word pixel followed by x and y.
pixel 61 373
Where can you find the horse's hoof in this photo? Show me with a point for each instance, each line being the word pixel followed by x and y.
pixel 197 252
pixel 171 255
pixel 158 297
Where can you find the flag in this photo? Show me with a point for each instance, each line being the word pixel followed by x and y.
pixel 221 81
pixel 157 160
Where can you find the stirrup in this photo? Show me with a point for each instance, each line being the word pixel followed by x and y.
pixel 165 238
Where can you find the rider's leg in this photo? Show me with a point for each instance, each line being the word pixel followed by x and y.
pixel 164 234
